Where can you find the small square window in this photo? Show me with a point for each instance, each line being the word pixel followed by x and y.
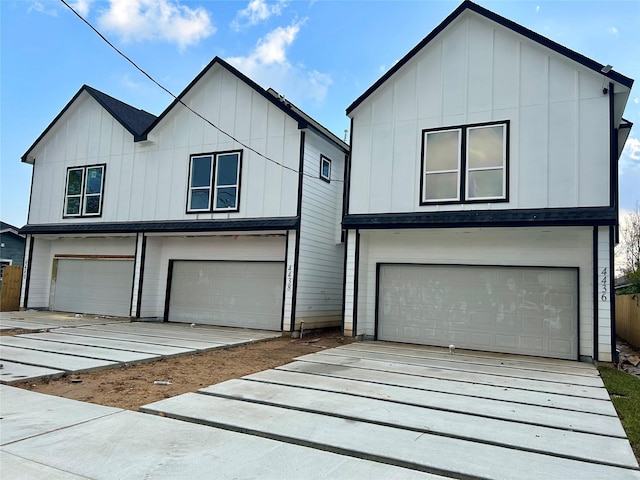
pixel 325 168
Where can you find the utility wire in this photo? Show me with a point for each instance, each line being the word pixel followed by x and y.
pixel 179 100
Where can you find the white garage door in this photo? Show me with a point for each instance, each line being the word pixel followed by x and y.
pixel 232 294
pixel 530 311
pixel 100 287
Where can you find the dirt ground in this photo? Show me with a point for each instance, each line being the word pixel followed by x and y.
pixel 132 386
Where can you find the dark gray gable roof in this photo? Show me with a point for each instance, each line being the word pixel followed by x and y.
pixel 304 121
pixel 8 228
pixel 467 5
pixel 134 120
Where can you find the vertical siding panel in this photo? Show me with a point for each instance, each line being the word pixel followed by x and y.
pixel 605 294
pixel 349 296
pixel 290 268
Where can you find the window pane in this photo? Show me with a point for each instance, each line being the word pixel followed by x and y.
pixel 326 169
pixel 227 169
pixel 74 182
pixel 485 146
pixel 485 183
pixel 441 186
pixel 226 198
pixel 442 150
pixel 73 206
pixel 200 199
pixel 92 204
pixel 201 172
pixel 94 180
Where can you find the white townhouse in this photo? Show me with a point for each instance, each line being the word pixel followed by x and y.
pixel 229 217
pixel 481 197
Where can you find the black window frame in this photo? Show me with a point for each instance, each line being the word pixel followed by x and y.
pixel 213 186
pixel 83 194
pixel 463 169
pixel 325 160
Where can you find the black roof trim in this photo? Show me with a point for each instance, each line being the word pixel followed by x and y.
pixel 304 120
pixel 536 37
pixel 134 120
pixel 583 216
pixel 235 225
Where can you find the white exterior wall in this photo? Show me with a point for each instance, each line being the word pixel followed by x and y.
pixel 321 255
pixel 605 295
pixel 544 247
pixel 147 181
pixel 478 71
pixel 223 247
pixel 45 249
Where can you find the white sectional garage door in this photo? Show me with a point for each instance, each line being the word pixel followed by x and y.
pixel 100 287
pixel 232 294
pixel 530 311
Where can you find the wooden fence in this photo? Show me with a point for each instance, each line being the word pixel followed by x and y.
pixel 628 318
pixel 10 295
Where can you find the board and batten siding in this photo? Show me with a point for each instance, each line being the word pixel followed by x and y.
pixel 86 134
pixel 148 181
pixel 544 247
pixel 223 247
pixel 477 71
pixel 44 251
pixel 605 295
pixel 321 255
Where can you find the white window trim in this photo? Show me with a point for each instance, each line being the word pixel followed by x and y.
pixel 431 172
pixel 325 160
pixel 192 189
pixel 503 167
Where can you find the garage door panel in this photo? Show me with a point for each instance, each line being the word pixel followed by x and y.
pixel 94 286
pixel 510 309
pixel 236 294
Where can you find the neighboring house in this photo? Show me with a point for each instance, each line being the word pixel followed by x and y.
pixel 170 218
pixel 481 204
pixel 11 246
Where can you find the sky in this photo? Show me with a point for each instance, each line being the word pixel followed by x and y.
pixel 321 55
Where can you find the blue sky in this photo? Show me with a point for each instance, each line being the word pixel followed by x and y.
pixel 321 54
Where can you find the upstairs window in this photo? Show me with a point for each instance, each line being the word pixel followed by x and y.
pixel 214 182
pixel 83 194
pixel 325 168
pixel 465 164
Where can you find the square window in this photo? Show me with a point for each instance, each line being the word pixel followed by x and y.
pixel 83 195
pixel 465 164
pixel 325 168
pixel 214 182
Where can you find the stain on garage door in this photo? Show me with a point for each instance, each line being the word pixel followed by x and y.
pixel 227 293
pixel 531 311
pixel 96 286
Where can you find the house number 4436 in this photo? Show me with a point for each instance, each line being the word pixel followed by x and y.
pixel 603 285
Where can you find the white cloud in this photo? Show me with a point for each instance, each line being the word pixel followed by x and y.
pixel 82 6
pixel 268 65
pixel 42 7
pixel 613 31
pixel 164 20
pixel 257 11
pixel 630 158
pixel 537 8
pixel 636 100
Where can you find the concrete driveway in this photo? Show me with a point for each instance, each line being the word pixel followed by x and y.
pixel 366 410
pixel 59 343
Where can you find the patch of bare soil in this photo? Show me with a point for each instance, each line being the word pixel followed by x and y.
pixel 132 386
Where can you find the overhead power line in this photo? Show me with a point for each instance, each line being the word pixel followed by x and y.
pixel 179 100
